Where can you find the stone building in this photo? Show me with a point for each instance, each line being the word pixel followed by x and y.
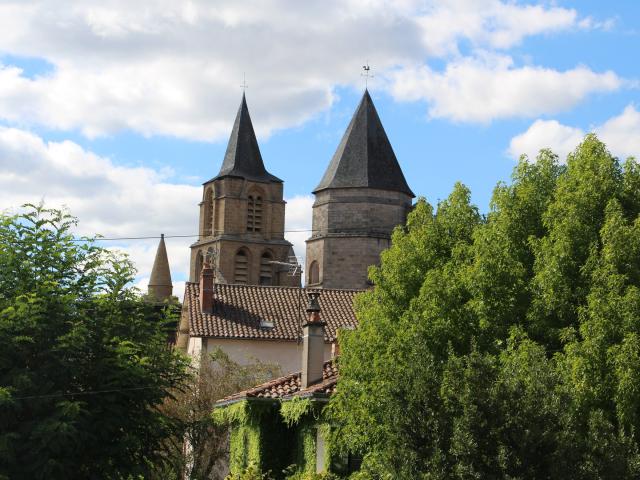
pixel 361 198
pixel 257 322
pixel 242 217
pixel 237 299
pixel 284 421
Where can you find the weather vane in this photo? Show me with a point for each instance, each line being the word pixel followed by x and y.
pixel 367 74
pixel 244 85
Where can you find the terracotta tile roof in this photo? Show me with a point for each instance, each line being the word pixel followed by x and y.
pixel 246 311
pixel 289 386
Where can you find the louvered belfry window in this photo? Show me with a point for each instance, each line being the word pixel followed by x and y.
pixel 254 214
pixel 266 270
pixel 241 272
pixel 208 213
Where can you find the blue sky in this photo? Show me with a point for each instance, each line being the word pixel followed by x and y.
pixel 122 112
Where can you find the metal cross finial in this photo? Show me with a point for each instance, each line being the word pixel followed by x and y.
pixel 244 85
pixel 367 75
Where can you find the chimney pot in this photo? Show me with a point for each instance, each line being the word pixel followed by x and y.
pixel 206 288
pixel 313 343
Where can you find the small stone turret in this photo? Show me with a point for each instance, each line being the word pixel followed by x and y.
pixel 160 286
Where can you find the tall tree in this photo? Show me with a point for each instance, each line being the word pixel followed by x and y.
pixel 200 450
pixel 504 346
pixel 84 363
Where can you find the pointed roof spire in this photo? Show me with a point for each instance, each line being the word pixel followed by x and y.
pixel 243 158
pixel 160 285
pixel 365 157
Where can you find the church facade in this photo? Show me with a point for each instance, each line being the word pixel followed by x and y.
pixel 241 296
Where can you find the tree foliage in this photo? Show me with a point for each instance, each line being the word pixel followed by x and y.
pixel 200 450
pixel 84 362
pixel 505 345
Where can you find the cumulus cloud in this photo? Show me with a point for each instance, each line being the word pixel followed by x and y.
pixel 490 23
pixel 117 201
pixel 546 134
pixel 621 134
pixel 489 86
pixel 110 200
pixel 174 67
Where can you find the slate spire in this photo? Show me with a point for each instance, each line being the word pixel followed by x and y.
pixel 364 157
pixel 160 286
pixel 242 158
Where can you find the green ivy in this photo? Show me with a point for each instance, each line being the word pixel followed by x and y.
pixel 293 410
pixel 261 437
pixel 244 447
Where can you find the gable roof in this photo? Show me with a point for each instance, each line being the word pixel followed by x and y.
pixel 364 157
pixel 242 158
pixel 290 386
pixel 246 311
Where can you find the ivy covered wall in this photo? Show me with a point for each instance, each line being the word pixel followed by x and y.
pixel 258 435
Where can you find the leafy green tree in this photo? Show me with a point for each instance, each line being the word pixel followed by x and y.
pixel 84 362
pixel 505 345
pixel 201 447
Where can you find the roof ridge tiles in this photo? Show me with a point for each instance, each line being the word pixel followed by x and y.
pixel 273 389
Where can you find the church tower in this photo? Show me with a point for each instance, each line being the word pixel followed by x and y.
pixel 242 217
pixel 362 196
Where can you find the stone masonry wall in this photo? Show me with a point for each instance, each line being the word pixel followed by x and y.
pixel 351 227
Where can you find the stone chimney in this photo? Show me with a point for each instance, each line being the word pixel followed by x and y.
pixel 160 287
pixel 206 288
pixel 312 343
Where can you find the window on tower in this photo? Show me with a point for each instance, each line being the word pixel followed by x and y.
pixel 266 269
pixel 241 271
pixel 314 273
pixel 254 214
pixel 208 213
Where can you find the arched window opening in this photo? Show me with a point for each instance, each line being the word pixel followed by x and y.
pixel 254 214
pixel 266 269
pixel 208 213
pixel 314 273
pixel 241 273
pixel 199 262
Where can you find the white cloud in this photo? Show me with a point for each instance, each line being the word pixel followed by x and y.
pixel 489 86
pixel 298 223
pixel 546 134
pixel 110 200
pixel 621 134
pixel 117 201
pixel 174 67
pixel 490 23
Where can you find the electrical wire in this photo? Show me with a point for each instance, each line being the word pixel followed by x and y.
pixel 196 235
pixel 90 392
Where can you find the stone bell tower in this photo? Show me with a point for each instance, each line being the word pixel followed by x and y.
pixel 242 217
pixel 361 198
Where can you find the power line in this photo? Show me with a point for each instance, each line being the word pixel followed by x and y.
pixel 197 235
pixel 89 392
